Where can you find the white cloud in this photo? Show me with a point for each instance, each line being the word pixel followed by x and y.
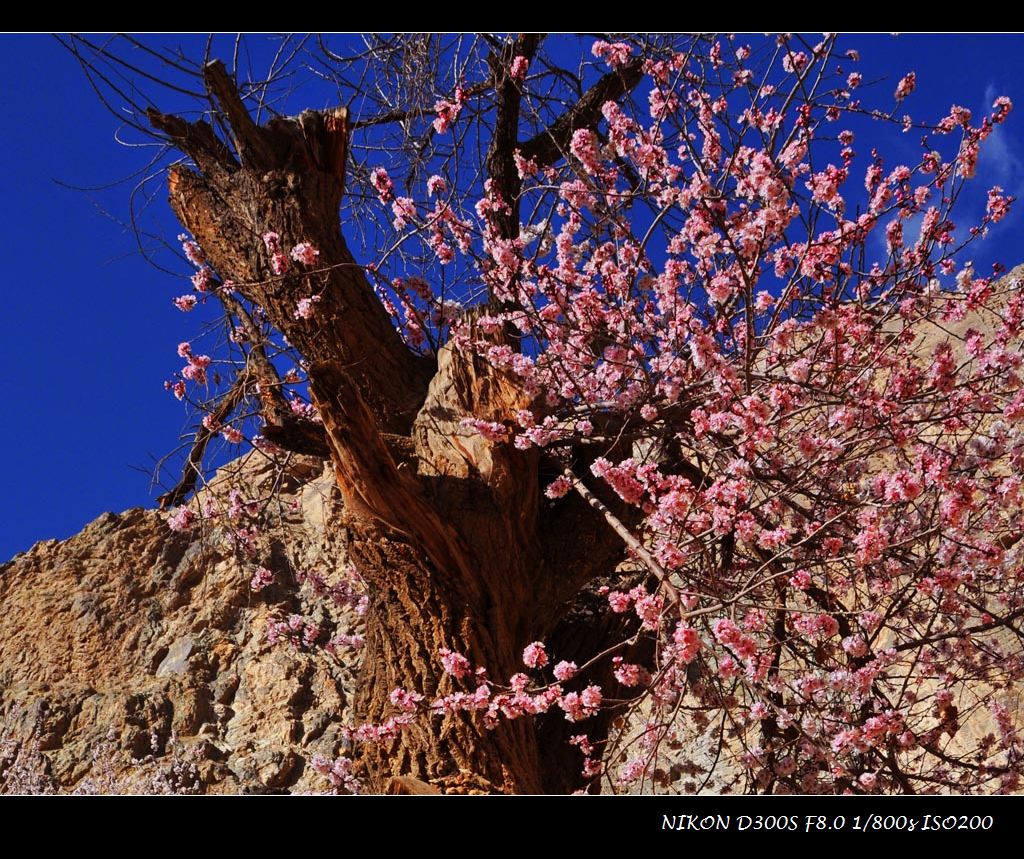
pixel 999 162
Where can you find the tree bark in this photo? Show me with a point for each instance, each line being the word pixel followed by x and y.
pixel 448 529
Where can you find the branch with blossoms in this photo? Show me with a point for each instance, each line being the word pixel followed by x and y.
pixel 826 487
pixel 287 425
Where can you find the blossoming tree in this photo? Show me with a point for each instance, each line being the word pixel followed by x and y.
pixel 653 401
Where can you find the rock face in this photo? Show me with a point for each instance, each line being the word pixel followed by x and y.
pixel 136 658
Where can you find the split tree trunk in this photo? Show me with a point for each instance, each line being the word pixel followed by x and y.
pixel 446 528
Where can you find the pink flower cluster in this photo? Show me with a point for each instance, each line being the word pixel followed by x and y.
pixel 447 110
pixel 742 373
pixel 517 71
pixel 559 487
pixel 177 388
pixel 349 592
pixel 297 631
pixel 305 253
pixel 535 656
pixel 182 519
pixel 455 664
pixel 278 259
pixel 906 86
pixel 193 252
pixel 345 641
pixel 616 54
pixel 261 579
pixel 337 772
pixel 382 184
pixel 490 430
pixel 195 369
pixel 306 306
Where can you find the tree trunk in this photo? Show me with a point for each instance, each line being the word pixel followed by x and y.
pixel 448 530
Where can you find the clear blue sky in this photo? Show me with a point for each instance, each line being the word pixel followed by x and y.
pixel 89 332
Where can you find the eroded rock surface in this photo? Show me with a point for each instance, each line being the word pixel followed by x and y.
pixel 134 657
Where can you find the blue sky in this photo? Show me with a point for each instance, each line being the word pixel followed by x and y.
pixel 89 332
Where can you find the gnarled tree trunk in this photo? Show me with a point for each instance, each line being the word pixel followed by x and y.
pixel 448 529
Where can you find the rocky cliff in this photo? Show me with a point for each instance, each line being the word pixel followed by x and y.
pixel 134 658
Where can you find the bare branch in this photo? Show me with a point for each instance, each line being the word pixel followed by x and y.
pixel 249 140
pixel 194 464
pixel 551 144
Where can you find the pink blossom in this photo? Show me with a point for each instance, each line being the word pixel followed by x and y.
pixel 759 711
pixel 535 656
pixel 181 519
pixel 801 580
pixel 799 371
pixel 906 86
pixel 261 579
pixel 404 209
pixel 177 388
pixel 621 477
pixel 446 112
pixel 581 705
pixel 338 772
pixel 764 301
pixel 794 62
pixel 455 664
pixel 382 184
pixel 343 640
pixel 305 253
pixel 565 670
pixel 193 252
pixel 525 167
pixel 490 430
pixel 405 701
pixel 616 54
pixel 727 667
pixel 584 147
pixel 436 185
pixel 1002 106
pixel 648 608
pixel 824 186
pixel 998 206
pixel 297 631
pixel 306 306
pixel 304 410
pixel 855 645
pixel 185 303
pixel 195 370
pixel 202 279
pixel 278 263
pixel 517 71
pixel 619 601
pixel 232 435
pixel 268 447
pixel 628 673
pixel 272 242
pixel 558 487
pixel 194 373
pixel 687 641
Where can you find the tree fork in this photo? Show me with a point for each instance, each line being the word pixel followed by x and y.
pixel 450 535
